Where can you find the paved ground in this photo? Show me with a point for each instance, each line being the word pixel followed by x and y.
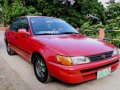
pixel 17 74
pixel 9 79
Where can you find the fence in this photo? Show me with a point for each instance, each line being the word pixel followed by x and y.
pixel 112 36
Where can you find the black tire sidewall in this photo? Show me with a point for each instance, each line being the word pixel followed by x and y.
pixel 43 80
pixel 9 52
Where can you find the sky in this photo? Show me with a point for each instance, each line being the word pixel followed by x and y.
pixel 104 1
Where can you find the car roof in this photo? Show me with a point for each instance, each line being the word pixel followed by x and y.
pixel 35 16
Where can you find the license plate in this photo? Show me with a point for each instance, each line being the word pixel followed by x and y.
pixel 103 73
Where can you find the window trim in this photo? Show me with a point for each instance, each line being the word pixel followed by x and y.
pixel 12 24
pixel 18 20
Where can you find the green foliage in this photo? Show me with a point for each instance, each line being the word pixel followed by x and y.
pixel 86 26
pixel 6 12
pixel 32 11
pixel 113 15
pixel 75 14
pixel 113 10
pixel 90 7
pixel 112 23
pixel 16 8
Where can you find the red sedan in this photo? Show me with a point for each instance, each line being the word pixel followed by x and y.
pixel 57 50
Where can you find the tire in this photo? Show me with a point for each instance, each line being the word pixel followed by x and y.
pixel 9 50
pixel 41 70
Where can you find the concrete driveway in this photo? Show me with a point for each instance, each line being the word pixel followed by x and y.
pixel 17 74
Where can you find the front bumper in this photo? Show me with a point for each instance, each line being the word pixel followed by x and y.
pixel 81 73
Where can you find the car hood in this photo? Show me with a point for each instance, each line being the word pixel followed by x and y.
pixel 74 44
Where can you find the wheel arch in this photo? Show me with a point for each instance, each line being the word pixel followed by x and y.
pixel 35 53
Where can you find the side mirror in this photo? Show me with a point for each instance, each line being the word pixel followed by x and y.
pixel 23 32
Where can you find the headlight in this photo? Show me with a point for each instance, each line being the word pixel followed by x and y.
pixel 115 52
pixel 80 60
pixel 72 60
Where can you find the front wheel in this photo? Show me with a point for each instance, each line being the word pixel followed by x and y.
pixel 41 70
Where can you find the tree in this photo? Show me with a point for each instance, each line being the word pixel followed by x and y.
pixel 1 3
pixel 113 10
pixel 113 16
pixel 92 7
pixel 15 8
pixel 1 14
pixel 6 12
pixel 74 12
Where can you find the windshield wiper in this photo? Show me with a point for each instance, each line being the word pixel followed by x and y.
pixel 57 33
pixel 69 33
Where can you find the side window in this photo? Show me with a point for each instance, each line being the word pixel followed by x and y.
pixel 14 26
pixel 23 23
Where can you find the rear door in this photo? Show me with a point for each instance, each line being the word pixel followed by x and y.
pixel 11 34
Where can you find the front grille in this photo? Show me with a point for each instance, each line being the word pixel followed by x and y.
pixel 99 57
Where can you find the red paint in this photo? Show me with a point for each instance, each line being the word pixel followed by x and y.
pixel 68 45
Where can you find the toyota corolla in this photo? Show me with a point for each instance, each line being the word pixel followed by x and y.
pixel 57 50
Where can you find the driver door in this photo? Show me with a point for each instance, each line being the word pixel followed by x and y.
pixel 24 41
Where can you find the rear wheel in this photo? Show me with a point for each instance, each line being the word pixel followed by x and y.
pixel 41 70
pixel 9 50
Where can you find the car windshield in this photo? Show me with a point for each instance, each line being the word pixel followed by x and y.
pixel 50 26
